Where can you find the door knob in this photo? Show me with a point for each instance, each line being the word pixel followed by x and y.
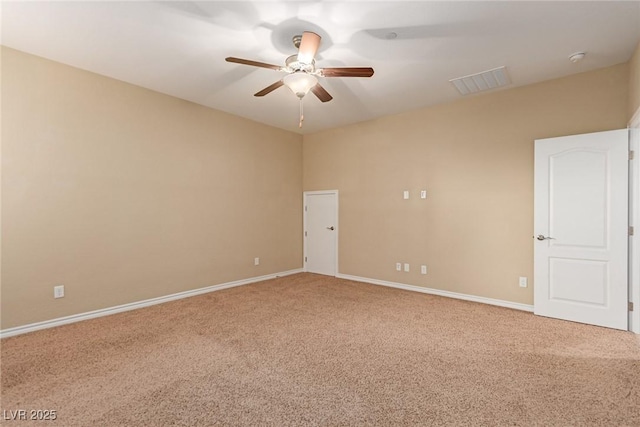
pixel 542 237
pixel 330 228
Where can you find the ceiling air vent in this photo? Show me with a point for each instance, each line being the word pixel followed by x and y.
pixel 479 82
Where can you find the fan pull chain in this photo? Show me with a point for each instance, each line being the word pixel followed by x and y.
pixel 301 114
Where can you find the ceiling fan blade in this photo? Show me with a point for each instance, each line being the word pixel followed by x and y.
pixel 347 72
pixel 253 63
pixel 308 47
pixel 321 93
pixel 269 88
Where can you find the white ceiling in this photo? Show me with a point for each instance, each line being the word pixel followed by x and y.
pixel 178 48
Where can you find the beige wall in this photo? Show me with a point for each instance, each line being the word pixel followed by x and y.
pixel 634 83
pixel 123 194
pixel 475 159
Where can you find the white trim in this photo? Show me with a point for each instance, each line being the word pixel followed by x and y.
pixel 448 294
pixel 304 224
pixel 634 220
pixel 136 305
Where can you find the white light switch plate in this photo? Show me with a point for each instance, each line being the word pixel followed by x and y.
pixel 58 291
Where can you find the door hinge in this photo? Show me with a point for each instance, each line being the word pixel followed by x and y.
pixel 305 234
pixel 631 230
pixel 632 155
pixel 305 208
pixel 630 306
pixel 305 259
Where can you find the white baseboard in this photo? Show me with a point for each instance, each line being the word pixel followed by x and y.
pixel 136 305
pixel 456 295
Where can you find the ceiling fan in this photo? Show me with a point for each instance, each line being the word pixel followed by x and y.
pixel 302 74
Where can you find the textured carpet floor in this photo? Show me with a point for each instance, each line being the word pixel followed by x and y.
pixel 314 350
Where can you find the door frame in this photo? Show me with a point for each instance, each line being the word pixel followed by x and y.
pixel 634 221
pixel 304 224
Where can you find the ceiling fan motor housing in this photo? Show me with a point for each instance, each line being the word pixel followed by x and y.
pixel 293 65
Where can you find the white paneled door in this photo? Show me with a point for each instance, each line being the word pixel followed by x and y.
pixel 581 228
pixel 321 232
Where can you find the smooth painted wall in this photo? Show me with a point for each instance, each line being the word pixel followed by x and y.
pixel 123 194
pixel 475 159
pixel 634 82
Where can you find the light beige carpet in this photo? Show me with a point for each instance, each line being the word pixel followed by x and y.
pixel 313 350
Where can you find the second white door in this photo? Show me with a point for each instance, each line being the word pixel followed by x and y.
pixel 321 232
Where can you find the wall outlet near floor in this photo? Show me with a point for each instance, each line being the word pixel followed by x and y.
pixel 58 291
pixel 423 269
pixel 398 266
pixel 522 282
pixel 406 267
pixel 256 261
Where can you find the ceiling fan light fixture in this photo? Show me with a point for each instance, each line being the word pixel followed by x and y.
pixel 300 83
